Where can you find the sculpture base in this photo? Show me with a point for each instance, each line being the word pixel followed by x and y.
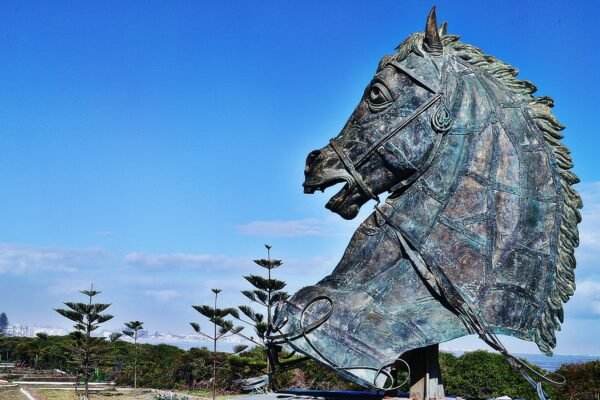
pixel 425 381
pixel 327 395
pixel 425 373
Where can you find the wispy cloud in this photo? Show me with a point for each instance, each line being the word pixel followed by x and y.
pixel 331 226
pixel 182 260
pixel 67 286
pixel 586 301
pixel 163 296
pixel 304 272
pixel 588 252
pixel 302 266
pixel 20 259
pixel 104 234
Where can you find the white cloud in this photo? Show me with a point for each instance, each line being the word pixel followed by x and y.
pixel 163 296
pixel 104 234
pixel 586 301
pixel 216 269
pixel 330 226
pixel 67 286
pixel 595 306
pixel 19 259
pixel 588 252
pixel 301 266
pixel 182 260
pixel 589 289
pixel 208 271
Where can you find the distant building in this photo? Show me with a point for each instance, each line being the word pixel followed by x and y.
pixel 30 331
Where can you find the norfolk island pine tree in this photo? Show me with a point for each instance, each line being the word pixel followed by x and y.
pixel 133 329
pixel 87 317
pixel 222 328
pixel 268 291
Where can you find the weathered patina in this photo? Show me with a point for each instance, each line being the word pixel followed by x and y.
pixel 478 232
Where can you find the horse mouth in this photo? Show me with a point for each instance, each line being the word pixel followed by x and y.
pixel 337 203
pixel 322 185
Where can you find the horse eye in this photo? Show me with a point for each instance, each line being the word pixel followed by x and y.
pixel 379 95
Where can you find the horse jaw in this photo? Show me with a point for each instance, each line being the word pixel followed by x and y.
pixel 347 201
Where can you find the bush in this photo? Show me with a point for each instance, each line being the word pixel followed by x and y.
pixel 484 374
pixel 583 381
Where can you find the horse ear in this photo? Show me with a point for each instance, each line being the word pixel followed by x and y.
pixel 431 42
pixel 443 31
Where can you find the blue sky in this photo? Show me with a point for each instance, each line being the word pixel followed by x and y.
pixel 153 147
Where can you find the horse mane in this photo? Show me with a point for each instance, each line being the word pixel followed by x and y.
pixel 539 109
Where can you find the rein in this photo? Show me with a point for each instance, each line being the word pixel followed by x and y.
pixel 435 278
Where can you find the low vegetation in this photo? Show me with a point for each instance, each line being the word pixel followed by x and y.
pixel 583 381
pixel 474 374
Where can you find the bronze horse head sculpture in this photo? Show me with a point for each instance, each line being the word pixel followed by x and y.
pixel 478 232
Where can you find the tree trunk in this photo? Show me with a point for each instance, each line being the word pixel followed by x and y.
pixel 135 356
pixel 215 350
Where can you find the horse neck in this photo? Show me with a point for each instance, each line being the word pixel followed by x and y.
pixel 487 210
pixel 419 206
pixel 492 178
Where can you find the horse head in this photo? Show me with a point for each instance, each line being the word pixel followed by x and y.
pixel 392 132
pixel 478 233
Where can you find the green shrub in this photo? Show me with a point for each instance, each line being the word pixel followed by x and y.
pixel 484 374
pixel 583 381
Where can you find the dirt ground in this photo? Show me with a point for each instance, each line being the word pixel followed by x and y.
pixel 55 394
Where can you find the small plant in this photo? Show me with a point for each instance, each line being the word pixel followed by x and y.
pixel 86 348
pixel 133 330
pixel 222 328
pixel 169 396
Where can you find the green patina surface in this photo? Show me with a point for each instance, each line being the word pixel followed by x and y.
pixel 480 226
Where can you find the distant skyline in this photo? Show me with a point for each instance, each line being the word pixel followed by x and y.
pixel 154 150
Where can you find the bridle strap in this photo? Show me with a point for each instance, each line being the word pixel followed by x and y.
pixel 456 102
pixel 412 76
pixel 351 170
pixel 424 107
pixel 352 167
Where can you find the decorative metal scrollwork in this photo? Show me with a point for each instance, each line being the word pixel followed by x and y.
pixel 441 120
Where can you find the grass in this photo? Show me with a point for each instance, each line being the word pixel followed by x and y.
pixel 11 394
pixel 141 394
pixel 53 394
pixel 208 394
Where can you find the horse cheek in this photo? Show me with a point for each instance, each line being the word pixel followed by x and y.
pixel 395 160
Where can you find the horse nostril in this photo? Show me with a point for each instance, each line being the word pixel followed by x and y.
pixel 312 156
pixel 310 159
